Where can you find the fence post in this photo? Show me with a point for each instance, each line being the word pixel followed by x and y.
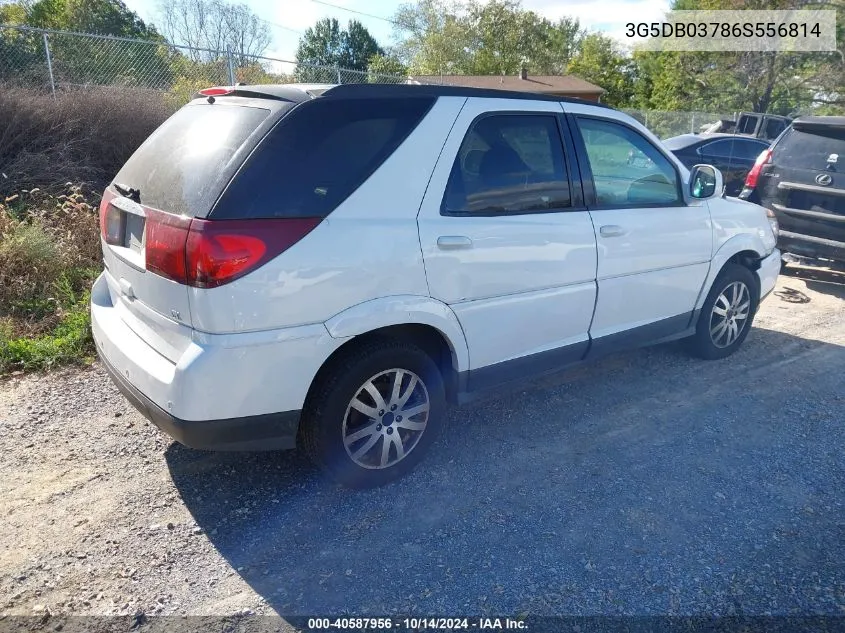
pixel 49 65
pixel 231 67
pixel 692 124
pixel 337 70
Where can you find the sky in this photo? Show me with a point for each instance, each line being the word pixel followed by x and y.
pixel 288 18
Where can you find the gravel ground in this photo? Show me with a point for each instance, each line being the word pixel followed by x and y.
pixel 649 484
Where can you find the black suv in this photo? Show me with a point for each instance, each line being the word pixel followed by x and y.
pixel 802 179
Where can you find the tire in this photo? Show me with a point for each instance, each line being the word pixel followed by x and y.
pixel 348 442
pixel 712 339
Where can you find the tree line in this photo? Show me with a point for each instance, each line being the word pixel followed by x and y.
pixel 473 37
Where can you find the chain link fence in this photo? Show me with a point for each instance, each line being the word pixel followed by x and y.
pixel 668 124
pixel 58 61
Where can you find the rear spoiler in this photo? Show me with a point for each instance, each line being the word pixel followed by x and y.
pixel 819 123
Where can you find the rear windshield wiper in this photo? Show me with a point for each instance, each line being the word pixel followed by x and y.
pixel 128 192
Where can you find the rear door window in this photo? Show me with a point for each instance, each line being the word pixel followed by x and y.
pixel 509 163
pixel 318 155
pixel 178 168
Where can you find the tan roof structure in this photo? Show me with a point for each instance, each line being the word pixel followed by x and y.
pixel 559 85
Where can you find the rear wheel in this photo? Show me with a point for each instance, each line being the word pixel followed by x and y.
pixel 727 314
pixel 374 414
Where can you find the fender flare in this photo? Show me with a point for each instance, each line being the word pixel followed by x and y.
pixel 403 310
pixel 736 244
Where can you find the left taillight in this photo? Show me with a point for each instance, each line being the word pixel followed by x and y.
pixel 210 253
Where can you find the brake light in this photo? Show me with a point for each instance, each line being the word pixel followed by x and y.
pixel 210 253
pixel 764 158
pixel 216 91
pixel 164 244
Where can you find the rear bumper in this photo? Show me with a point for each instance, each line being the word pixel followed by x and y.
pixel 768 273
pixel 274 431
pixel 239 391
pixel 811 246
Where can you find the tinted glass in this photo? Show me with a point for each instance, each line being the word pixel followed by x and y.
pixel 509 164
pixel 810 149
pixel 774 127
pixel 318 155
pixel 748 149
pixel 723 148
pixel 627 168
pixel 177 169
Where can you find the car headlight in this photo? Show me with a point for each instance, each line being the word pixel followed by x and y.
pixel 773 222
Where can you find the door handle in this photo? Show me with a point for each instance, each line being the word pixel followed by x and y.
pixel 612 230
pixel 449 242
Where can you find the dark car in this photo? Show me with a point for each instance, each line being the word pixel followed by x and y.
pixel 733 155
pixel 802 179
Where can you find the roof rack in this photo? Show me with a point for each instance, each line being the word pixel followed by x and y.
pixel 433 90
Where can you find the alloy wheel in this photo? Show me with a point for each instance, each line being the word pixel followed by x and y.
pixel 386 418
pixel 730 313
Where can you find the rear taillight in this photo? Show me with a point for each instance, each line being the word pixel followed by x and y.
pixel 210 253
pixel 110 219
pixel 751 179
pixel 164 244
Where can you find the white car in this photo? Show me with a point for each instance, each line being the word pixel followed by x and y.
pixel 329 271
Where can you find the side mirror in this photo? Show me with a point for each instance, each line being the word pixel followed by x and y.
pixel 705 182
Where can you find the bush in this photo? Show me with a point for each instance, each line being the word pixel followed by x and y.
pixel 82 136
pixel 49 256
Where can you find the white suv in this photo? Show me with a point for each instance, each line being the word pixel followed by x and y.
pixel 285 268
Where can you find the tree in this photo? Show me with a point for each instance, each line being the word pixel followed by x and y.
pixel 104 17
pixel 82 60
pixel 600 61
pixel 214 25
pixel 726 82
pixel 327 45
pixel 385 65
pixel 483 38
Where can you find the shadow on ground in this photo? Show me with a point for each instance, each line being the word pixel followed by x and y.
pixel 824 280
pixel 649 483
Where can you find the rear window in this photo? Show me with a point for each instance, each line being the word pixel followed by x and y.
pixel 318 155
pixel 178 168
pixel 810 149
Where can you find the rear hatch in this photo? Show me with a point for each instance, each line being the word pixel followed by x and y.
pixel 173 178
pixel 804 182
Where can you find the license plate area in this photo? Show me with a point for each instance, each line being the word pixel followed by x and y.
pixel 125 222
pixel 815 201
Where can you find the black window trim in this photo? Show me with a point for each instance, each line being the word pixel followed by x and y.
pixel 576 194
pixel 587 172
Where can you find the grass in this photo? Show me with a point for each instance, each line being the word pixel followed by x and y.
pixel 69 342
pixel 49 257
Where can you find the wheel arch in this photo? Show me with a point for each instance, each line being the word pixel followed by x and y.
pixel 740 249
pixel 427 323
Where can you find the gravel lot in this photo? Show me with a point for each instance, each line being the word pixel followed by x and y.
pixel 649 483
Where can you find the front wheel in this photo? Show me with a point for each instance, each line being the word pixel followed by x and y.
pixel 727 314
pixel 375 413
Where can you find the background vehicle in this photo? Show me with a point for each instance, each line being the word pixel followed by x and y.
pixel 731 154
pixel 802 179
pixel 328 271
pixel 766 127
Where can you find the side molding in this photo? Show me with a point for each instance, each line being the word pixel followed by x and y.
pixel 403 310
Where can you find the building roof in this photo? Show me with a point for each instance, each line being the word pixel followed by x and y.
pixel 568 84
